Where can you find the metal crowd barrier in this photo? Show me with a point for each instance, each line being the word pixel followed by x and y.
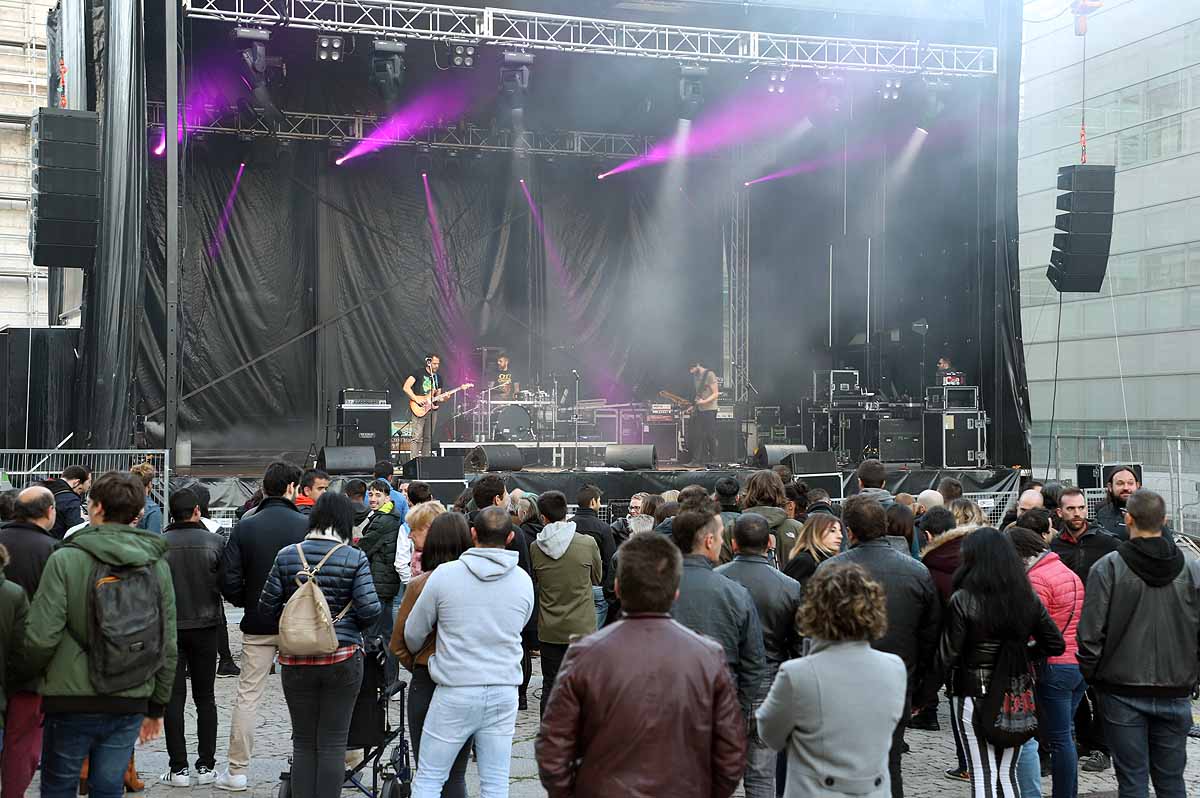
pixel 24 467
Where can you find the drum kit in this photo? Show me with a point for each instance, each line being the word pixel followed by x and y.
pixel 529 417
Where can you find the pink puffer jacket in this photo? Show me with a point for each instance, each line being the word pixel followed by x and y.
pixel 1062 594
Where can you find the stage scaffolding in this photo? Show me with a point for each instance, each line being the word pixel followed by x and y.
pixel 540 31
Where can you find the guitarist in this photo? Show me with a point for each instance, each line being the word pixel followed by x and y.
pixel 702 432
pixel 422 387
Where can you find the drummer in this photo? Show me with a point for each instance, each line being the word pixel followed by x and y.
pixel 503 377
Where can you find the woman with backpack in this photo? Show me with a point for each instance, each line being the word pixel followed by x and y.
pixel 321 689
pixel 448 537
pixel 984 651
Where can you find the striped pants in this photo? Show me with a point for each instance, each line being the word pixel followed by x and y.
pixel 993 770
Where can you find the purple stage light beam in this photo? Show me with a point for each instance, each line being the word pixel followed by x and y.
pixel 443 102
pixel 214 246
pixel 552 256
pixel 746 118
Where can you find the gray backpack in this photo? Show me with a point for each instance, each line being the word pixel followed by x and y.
pixel 125 640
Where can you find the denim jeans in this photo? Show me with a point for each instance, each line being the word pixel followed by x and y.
pixel 1029 770
pixel 759 776
pixel 1060 688
pixel 488 712
pixel 601 605
pixel 197 663
pixel 320 701
pixel 68 739
pixel 1148 740
pixel 420 694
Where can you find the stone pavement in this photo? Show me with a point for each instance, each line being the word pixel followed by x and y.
pixel 932 752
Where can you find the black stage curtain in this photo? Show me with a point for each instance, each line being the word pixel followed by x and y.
pixel 113 289
pixel 306 242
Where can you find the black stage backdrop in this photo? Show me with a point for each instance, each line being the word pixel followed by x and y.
pixel 306 241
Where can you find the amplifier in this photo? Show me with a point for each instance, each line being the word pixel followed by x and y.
pixel 370 425
pixel 900 440
pixel 664 438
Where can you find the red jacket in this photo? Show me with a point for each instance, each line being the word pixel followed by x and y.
pixel 1062 594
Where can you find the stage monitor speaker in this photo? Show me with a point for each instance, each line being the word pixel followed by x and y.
pixel 495 457
pixel 1079 261
pixel 631 457
pixel 65 181
pixel 1096 475
pixel 768 455
pixel 435 468
pixel 830 483
pixel 811 462
pixel 335 460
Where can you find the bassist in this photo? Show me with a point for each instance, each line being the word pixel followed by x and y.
pixel 422 388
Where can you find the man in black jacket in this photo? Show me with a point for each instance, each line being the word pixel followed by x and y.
pixel 1080 545
pixel 1123 482
pixel 68 491
pixel 819 502
pixel 30 544
pixel 196 557
pixel 914 609
pixel 776 599
pixel 587 522
pixel 249 558
pixel 1138 635
pixel 718 607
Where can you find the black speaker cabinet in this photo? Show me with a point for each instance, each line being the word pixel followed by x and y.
pixel 495 457
pixel 366 426
pixel 1080 257
pixel 631 457
pixel 955 440
pixel 665 440
pixel 769 455
pixel 830 483
pixel 335 460
pixel 900 440
pixel 811 462
pixel 65 182
pixel 37 396
pixel 435 468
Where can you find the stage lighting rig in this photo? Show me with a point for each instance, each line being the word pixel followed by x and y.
pixel 254 69
pixel 387 70
pixel 514 84
pixel 777 81
pixel 462 54
pixel 329 48
pixel 891 90
pixel 691 90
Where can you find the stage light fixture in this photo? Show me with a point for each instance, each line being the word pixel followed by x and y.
pixel 329 48
pixel 254 64
pixel 462 54
pixel 777 81
pixel 691 90
pixel 891 90
pixel 514 85
pixel 387 70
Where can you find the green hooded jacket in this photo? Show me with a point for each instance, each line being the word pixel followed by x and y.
pixel 14 606
pixel 58 620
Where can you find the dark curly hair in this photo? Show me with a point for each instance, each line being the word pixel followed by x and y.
pixel 842 602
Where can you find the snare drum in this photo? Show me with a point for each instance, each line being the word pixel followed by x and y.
pixel 512 423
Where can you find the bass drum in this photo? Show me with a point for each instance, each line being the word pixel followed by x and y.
pixel 512 423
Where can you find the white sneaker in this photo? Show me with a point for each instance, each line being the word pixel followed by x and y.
pixel 204 776
pixel 229 782
pixel 179 779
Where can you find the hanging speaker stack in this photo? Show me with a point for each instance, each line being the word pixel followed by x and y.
pixel 65 201
pixel 1080 257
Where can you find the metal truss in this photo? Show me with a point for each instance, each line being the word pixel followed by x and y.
pixel 534 30
pixel 349 128
pixel 738 299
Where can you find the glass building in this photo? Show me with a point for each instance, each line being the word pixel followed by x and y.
pixel 1133 350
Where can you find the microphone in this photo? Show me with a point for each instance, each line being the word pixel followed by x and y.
pixel 576 373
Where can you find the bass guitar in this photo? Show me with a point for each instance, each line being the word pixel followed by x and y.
pixel 429 402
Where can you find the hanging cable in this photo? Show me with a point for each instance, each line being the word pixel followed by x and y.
pixel 1054 394
pixel 1120 367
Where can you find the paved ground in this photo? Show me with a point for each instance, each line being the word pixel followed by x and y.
pixel 932 752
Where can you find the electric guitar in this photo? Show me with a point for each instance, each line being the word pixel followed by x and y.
pixel 429 402
pixel 685 405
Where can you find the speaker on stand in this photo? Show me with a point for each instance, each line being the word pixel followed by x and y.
pixel 65 199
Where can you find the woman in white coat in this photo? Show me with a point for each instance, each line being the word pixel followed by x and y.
pixel 835 709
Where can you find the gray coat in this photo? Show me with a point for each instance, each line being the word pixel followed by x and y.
pixel 835 711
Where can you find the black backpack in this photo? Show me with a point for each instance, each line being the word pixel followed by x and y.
pixel 1006 716
pixel 125 640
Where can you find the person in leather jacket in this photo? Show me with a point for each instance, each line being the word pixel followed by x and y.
pixel 993 603
pixel 195 556
pixel 597 739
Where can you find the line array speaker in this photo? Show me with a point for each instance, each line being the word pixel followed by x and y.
pixel 1080 257
pixel 65 203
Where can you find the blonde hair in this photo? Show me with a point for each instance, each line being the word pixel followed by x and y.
pixel 967 513
pixel 145 472
pixel 670 495
pixel 422 515
pixel 813 531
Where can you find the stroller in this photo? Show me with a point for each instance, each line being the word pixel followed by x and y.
pixel 370 730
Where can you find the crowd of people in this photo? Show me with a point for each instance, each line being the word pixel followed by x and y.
pixel 752 635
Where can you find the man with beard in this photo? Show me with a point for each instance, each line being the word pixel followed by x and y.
pixel 1081 545
pixel 1123 482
